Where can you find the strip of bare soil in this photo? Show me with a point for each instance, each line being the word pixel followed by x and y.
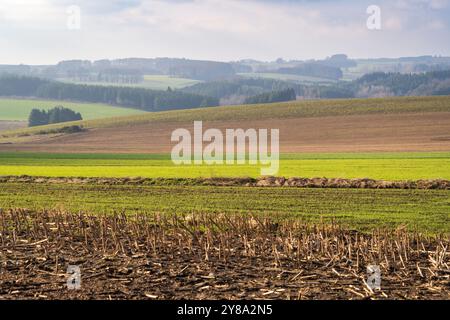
pixel 247 182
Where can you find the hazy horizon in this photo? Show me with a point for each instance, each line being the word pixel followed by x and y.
pixel 36 32
pixel 216 60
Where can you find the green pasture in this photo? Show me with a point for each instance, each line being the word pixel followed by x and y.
pixel 19 109
pixel 155 82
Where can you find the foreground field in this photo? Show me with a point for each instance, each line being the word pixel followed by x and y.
pixel 212 257
pixel 387 166
pixel 19 109
pixel 361 209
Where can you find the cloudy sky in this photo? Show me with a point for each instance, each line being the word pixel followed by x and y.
pixel 36 31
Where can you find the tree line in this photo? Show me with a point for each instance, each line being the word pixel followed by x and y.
pixel 370 85
pixel 313 70
pixel 274 96
pixel 139 98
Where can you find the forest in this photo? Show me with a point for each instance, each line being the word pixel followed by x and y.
pixel 138 98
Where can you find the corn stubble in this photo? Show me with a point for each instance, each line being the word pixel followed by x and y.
pixel 151 256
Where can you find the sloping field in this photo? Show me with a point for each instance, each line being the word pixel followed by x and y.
pixel 374 133
pixel 19 109
pixel 285 110
pixel 12 125
pixel 155 82
pixel 357 125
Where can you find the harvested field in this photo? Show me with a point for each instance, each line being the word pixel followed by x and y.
pixel 213 257
pixel 356 133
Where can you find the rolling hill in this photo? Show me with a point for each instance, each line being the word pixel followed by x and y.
pixel 354 125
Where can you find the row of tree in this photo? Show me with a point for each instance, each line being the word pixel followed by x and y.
pixel 274 96
pixel 139 98
pixel 316 70
pixel 56 115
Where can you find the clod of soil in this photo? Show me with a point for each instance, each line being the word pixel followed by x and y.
pixel 248 182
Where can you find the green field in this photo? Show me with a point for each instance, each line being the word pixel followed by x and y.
pixel 361 209
pixel 161 82
pixel 285 110
pixel 387 166
pixel 286 77
pixel 19 109
pixel 155 82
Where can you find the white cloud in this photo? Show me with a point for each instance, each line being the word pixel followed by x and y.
pixel 26 11
pixel 35 30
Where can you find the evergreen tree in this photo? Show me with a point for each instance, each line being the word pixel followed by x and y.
pixel 37 118
pixel 55 115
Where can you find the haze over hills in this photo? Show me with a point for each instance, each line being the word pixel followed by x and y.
pixel 132 70
pixel 194 83
pixel 161 84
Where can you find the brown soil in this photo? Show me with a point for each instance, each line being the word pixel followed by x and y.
pixel 12 125
pixel 364 183
pixel 367 133
pixel 206 257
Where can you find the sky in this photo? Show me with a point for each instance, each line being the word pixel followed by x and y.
pixel 47 31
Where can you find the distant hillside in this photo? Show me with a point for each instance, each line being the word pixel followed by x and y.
pixel 235 91
pixel 127 71
pixel 271 97
pixel 317 70
pixel 19 109
pixel 138 98
pixel 397 84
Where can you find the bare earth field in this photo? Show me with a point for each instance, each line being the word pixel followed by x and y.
pixel 357 133
pixel 211 257
pixel 12 125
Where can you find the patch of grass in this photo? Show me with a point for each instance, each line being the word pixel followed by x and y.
pixel 387 166
pixel 360 209
pixel 286 77
pixel 161 82
pixel 19 109
pixel 155 82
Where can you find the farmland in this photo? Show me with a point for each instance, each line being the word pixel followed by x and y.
pixel 387 166
pixel 371 125
pixel 19 109
pixel 287 77
pixel 362 209
pixel 155 82
pixel 223 240
pixel 284 110
pixel 211 257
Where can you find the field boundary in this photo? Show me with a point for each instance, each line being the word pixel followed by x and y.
pixel 364 183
